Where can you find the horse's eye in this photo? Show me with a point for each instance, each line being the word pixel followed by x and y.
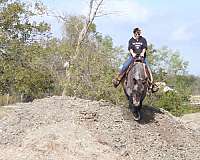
pixel 134 81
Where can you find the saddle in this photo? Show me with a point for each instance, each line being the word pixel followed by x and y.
pixel 148 74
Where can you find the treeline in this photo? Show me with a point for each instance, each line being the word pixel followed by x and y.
pixel 34 64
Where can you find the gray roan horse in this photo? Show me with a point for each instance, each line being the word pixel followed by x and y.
pixel 135 86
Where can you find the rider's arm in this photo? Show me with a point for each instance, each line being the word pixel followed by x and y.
pixel 143 52
pixel 130 48
pixel 132 53
pixel 144 47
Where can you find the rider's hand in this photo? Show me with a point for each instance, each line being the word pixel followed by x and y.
pixel 142 59
pixel 134 55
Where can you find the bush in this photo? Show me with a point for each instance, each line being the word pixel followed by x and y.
pixel 172 101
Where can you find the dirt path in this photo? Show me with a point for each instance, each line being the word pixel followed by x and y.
pixel 68 128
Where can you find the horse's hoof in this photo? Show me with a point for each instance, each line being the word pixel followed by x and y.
pixel 136 115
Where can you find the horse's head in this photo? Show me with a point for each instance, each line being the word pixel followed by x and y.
pixel 136 85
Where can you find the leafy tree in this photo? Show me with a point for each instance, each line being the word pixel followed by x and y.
pixel 94 65
pixel 31 61
pixel 166 61
pixel 20 49
pixel 169 67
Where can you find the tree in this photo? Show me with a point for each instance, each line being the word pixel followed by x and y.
pixel 165 61
pixel 92 71
pixel 20 49
pixel 93 11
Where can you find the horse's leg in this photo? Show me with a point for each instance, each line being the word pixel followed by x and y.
pixel 136 113
pixel 127 96
pixel 124 88
pixel 135 110
pixel 140 106
pixel 141 99
pixel 132 107
pixel 130 100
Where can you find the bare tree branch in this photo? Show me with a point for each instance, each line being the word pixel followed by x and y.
pixel 107 14
pixel 89 21
pixel 56 15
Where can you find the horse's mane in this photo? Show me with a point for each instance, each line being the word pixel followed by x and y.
pixel 138 71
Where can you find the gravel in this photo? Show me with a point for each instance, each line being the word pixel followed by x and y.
pixel 69 128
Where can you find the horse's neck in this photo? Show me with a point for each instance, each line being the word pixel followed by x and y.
pixel 138 71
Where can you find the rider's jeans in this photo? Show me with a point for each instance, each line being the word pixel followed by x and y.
pixel 127 63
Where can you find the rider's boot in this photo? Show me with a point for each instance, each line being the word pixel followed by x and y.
pixel 116 81
pixel 152 86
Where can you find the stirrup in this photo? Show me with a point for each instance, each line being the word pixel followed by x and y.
pixel 154 88
pixel 115 82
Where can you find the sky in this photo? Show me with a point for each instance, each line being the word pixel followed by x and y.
pixel 174 24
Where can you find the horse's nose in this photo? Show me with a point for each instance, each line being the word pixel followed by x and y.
pixel 136 102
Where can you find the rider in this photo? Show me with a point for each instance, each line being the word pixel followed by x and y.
pixel 137 46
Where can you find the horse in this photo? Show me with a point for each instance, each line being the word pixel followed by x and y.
pixel 135 85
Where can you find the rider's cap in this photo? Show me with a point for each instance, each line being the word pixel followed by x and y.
pixel 135 30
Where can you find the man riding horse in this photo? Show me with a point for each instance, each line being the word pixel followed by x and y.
pixel 137 47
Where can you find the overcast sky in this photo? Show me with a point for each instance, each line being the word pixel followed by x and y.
pixel 175 24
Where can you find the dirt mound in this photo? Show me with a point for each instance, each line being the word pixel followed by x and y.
pixel 68 128
pixel 192 121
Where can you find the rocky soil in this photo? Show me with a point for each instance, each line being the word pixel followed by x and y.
pixel 68 128
pixel 191 120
